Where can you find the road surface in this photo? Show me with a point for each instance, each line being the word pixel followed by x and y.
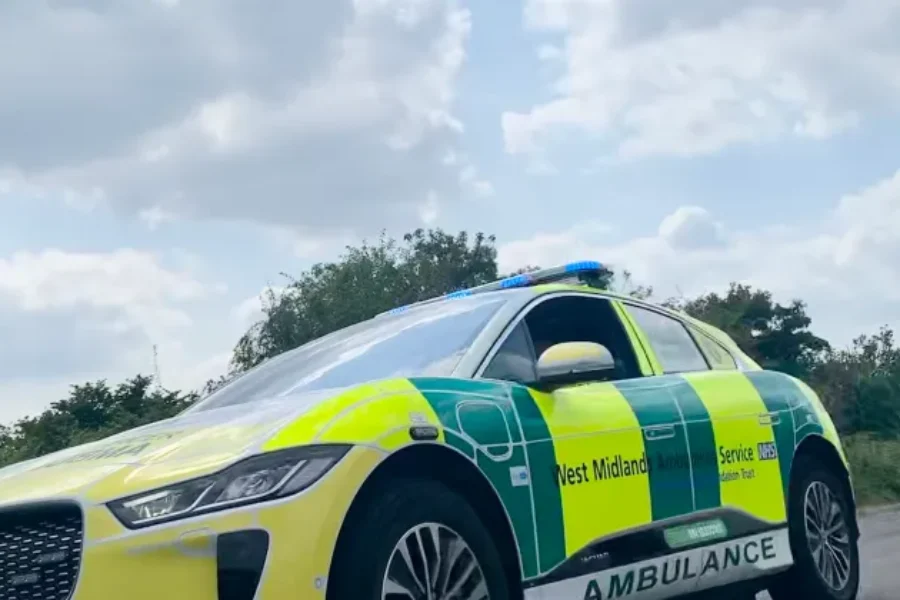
pixel 880 553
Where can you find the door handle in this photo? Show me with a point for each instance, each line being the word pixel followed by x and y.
pixel 659 432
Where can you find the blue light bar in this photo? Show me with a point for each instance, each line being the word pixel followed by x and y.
pixel 515 281
pixel 580 271
pixel 583 265
pixel 399 309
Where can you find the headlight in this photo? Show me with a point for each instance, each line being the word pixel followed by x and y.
pixel 253 480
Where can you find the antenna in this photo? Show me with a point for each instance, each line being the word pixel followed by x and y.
pixel 156 378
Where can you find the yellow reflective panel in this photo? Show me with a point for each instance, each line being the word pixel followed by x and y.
pixel 384 420
pixel 592 426
pixel 335 412
pixel 748 480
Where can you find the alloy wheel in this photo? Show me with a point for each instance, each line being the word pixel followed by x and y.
pixel 827 535
pixel 433 562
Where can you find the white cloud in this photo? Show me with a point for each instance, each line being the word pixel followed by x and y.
pixel 691 227
pixel 20 398
pixel 646 77
pixel 317 116
pixel 846 265
pixel 155 216
pixel 429 211
pixel 127 280
pixel 79 316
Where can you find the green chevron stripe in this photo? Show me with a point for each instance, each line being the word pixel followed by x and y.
pixel 548 506
pixel 670 481
pixel 782 395
pixel 445 396
pixel 702 440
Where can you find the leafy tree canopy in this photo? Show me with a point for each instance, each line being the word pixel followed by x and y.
pixel 367 280
pixel 777 336
pixel 92 411
pixel 860 385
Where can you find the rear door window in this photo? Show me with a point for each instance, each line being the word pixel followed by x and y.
pixel 675 349
pixel 719 358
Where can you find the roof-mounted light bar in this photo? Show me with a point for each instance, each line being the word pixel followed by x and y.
pixel 584 271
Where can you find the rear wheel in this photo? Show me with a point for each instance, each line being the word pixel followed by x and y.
pixel 826 554
pixel 417 540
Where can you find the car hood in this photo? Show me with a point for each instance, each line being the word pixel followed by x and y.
pixel 176 449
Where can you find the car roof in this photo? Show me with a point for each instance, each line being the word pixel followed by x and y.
pixel 523 295
pixel 580 277
pixel 518 298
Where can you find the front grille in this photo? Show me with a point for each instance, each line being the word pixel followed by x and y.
pixel 40 552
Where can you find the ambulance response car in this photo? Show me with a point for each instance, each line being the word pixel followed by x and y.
pixel 532 438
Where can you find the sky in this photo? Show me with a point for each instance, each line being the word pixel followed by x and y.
pixel 163 161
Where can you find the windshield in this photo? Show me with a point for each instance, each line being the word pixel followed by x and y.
pixel 425 341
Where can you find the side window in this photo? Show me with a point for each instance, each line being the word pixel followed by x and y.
pixel 719 358
pixel 582 319
pixel 674 346
pixel 514 361
pixel 563 319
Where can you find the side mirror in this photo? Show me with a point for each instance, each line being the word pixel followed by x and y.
pixel 574 362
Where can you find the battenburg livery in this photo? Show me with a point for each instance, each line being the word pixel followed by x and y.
pixel 531 438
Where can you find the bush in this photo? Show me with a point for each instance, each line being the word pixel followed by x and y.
pixel 875 464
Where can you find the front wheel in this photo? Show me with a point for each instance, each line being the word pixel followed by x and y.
pixel 826 553
pixel 417 540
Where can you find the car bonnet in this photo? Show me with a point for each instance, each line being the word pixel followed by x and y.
pixel 177 449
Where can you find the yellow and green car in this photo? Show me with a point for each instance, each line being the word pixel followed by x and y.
pixel 533 438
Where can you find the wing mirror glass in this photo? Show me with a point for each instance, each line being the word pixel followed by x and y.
pixel 574 362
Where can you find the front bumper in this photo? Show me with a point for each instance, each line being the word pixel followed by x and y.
pixel 214 557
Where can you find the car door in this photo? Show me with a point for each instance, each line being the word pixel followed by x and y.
pixel 731 432
pixel 743 428
pixel 591 475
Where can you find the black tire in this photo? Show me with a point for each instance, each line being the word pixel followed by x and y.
pixel 362 561
pixel 804 580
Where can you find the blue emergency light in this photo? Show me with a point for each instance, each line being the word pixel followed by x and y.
pixel 583 271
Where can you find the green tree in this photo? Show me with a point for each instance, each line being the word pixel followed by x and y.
pixel 92 411
pixel 624 283
pixel 775 335
pixel 860 385
pixel 365 281
pixel 6 446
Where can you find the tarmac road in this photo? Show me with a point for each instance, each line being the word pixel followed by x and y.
pixel 880 554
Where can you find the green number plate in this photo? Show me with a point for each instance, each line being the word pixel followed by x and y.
pixel 695 533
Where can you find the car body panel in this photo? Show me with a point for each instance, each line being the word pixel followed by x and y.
pixel 584 473
pixel 741 425
pixel 571 434
pixel 378 413
pixel 591 423
pixel 178 559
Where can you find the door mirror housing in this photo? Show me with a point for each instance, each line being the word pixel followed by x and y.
pixel 574 362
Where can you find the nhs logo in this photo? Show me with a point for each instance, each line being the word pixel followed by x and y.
pixel 767 451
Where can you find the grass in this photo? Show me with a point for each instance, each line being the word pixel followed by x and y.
pixel 875 465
